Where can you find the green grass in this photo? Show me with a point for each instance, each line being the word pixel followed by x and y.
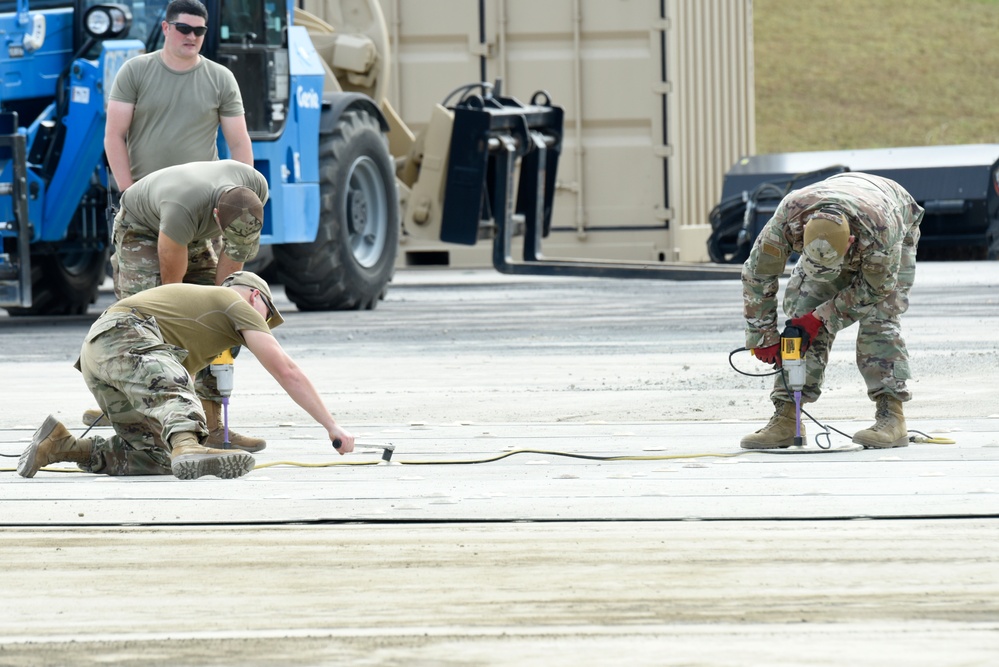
pixel 875 73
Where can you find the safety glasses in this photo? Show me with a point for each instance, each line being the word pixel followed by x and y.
pixel 184 29
pixel 267 304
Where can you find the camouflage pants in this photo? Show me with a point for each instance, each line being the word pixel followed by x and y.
pixel 136 261
pixel 145 391
pixel 882 357
pixel 136 267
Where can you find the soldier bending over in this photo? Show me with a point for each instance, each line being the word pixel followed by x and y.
pixel 857 235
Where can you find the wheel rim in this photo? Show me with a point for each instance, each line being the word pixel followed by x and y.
pixel 366 215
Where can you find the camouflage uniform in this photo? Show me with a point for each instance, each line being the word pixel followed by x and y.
pixel 871 287
pixel 141 384
pixel 138 360
pixel 136 267
pixel 135 262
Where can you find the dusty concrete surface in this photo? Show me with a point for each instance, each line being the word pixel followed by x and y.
pixel 457 346
pixel 477 348
pixel 852 593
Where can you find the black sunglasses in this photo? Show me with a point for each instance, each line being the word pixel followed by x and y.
pixel 185 29
pixel 267 303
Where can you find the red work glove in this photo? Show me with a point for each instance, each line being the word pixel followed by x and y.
pixel 811 325
pixel 768 355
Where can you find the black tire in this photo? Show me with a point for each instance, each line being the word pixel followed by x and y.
pixel 63 283
pixel 263 265
pixel 351 262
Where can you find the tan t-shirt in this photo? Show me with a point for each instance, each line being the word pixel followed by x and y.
pixel 177 114
pixel 179 200
pixel 203 320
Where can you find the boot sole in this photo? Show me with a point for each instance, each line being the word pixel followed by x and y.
pixel 766 446
pixel 783 444
pixel 229 466
pixel 901 442
pixel 26 464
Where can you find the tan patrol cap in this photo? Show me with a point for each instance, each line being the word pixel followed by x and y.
pixel 826 237
pixel 250 279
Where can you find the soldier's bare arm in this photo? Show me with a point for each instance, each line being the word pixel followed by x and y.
pixel 283 368
pixel 173 260
pixel 225 267
pixel 119 118
pixel 237 138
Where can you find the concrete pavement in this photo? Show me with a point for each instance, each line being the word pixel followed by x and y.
pixel 695 553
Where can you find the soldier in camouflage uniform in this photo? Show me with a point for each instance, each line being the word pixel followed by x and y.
pixel 139 359
pixel 857 236
pixel 163 234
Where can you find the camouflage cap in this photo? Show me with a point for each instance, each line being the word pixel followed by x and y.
pixel 250 279
pixel 826 238
pixel 241 217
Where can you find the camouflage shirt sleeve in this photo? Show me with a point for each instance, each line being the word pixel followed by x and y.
pixel 761 280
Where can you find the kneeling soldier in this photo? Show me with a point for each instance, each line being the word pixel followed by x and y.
pixel 139 359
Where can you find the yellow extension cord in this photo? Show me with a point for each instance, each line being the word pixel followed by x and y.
pixel 926 440
pixel 330 464
pixel 498 457
pixel 542 452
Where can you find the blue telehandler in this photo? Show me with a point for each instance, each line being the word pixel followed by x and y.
pixel 314 100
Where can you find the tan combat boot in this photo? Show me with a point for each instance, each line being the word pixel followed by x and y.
pixel 216 431
pixel 190 460
pixel 779 431
pixel 95 417
pixel 53 443
pixel 889 428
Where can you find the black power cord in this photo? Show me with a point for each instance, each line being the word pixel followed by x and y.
pixel 783 376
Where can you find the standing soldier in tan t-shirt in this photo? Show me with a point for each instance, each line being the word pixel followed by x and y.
pixel 138 360
pixel 166 107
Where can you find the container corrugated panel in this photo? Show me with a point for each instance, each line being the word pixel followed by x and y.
pixel 710 109
pixel 658 99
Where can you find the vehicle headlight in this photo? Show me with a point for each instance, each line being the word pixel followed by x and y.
pixel 107 21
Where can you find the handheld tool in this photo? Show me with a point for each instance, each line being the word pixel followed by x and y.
pixel 222 369
pixel 387 449
pixel 793 342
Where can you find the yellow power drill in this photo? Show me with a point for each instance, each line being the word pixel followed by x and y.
pixel 793 342
pixel 222 369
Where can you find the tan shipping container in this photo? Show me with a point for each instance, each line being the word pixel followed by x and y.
pixel 658 96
